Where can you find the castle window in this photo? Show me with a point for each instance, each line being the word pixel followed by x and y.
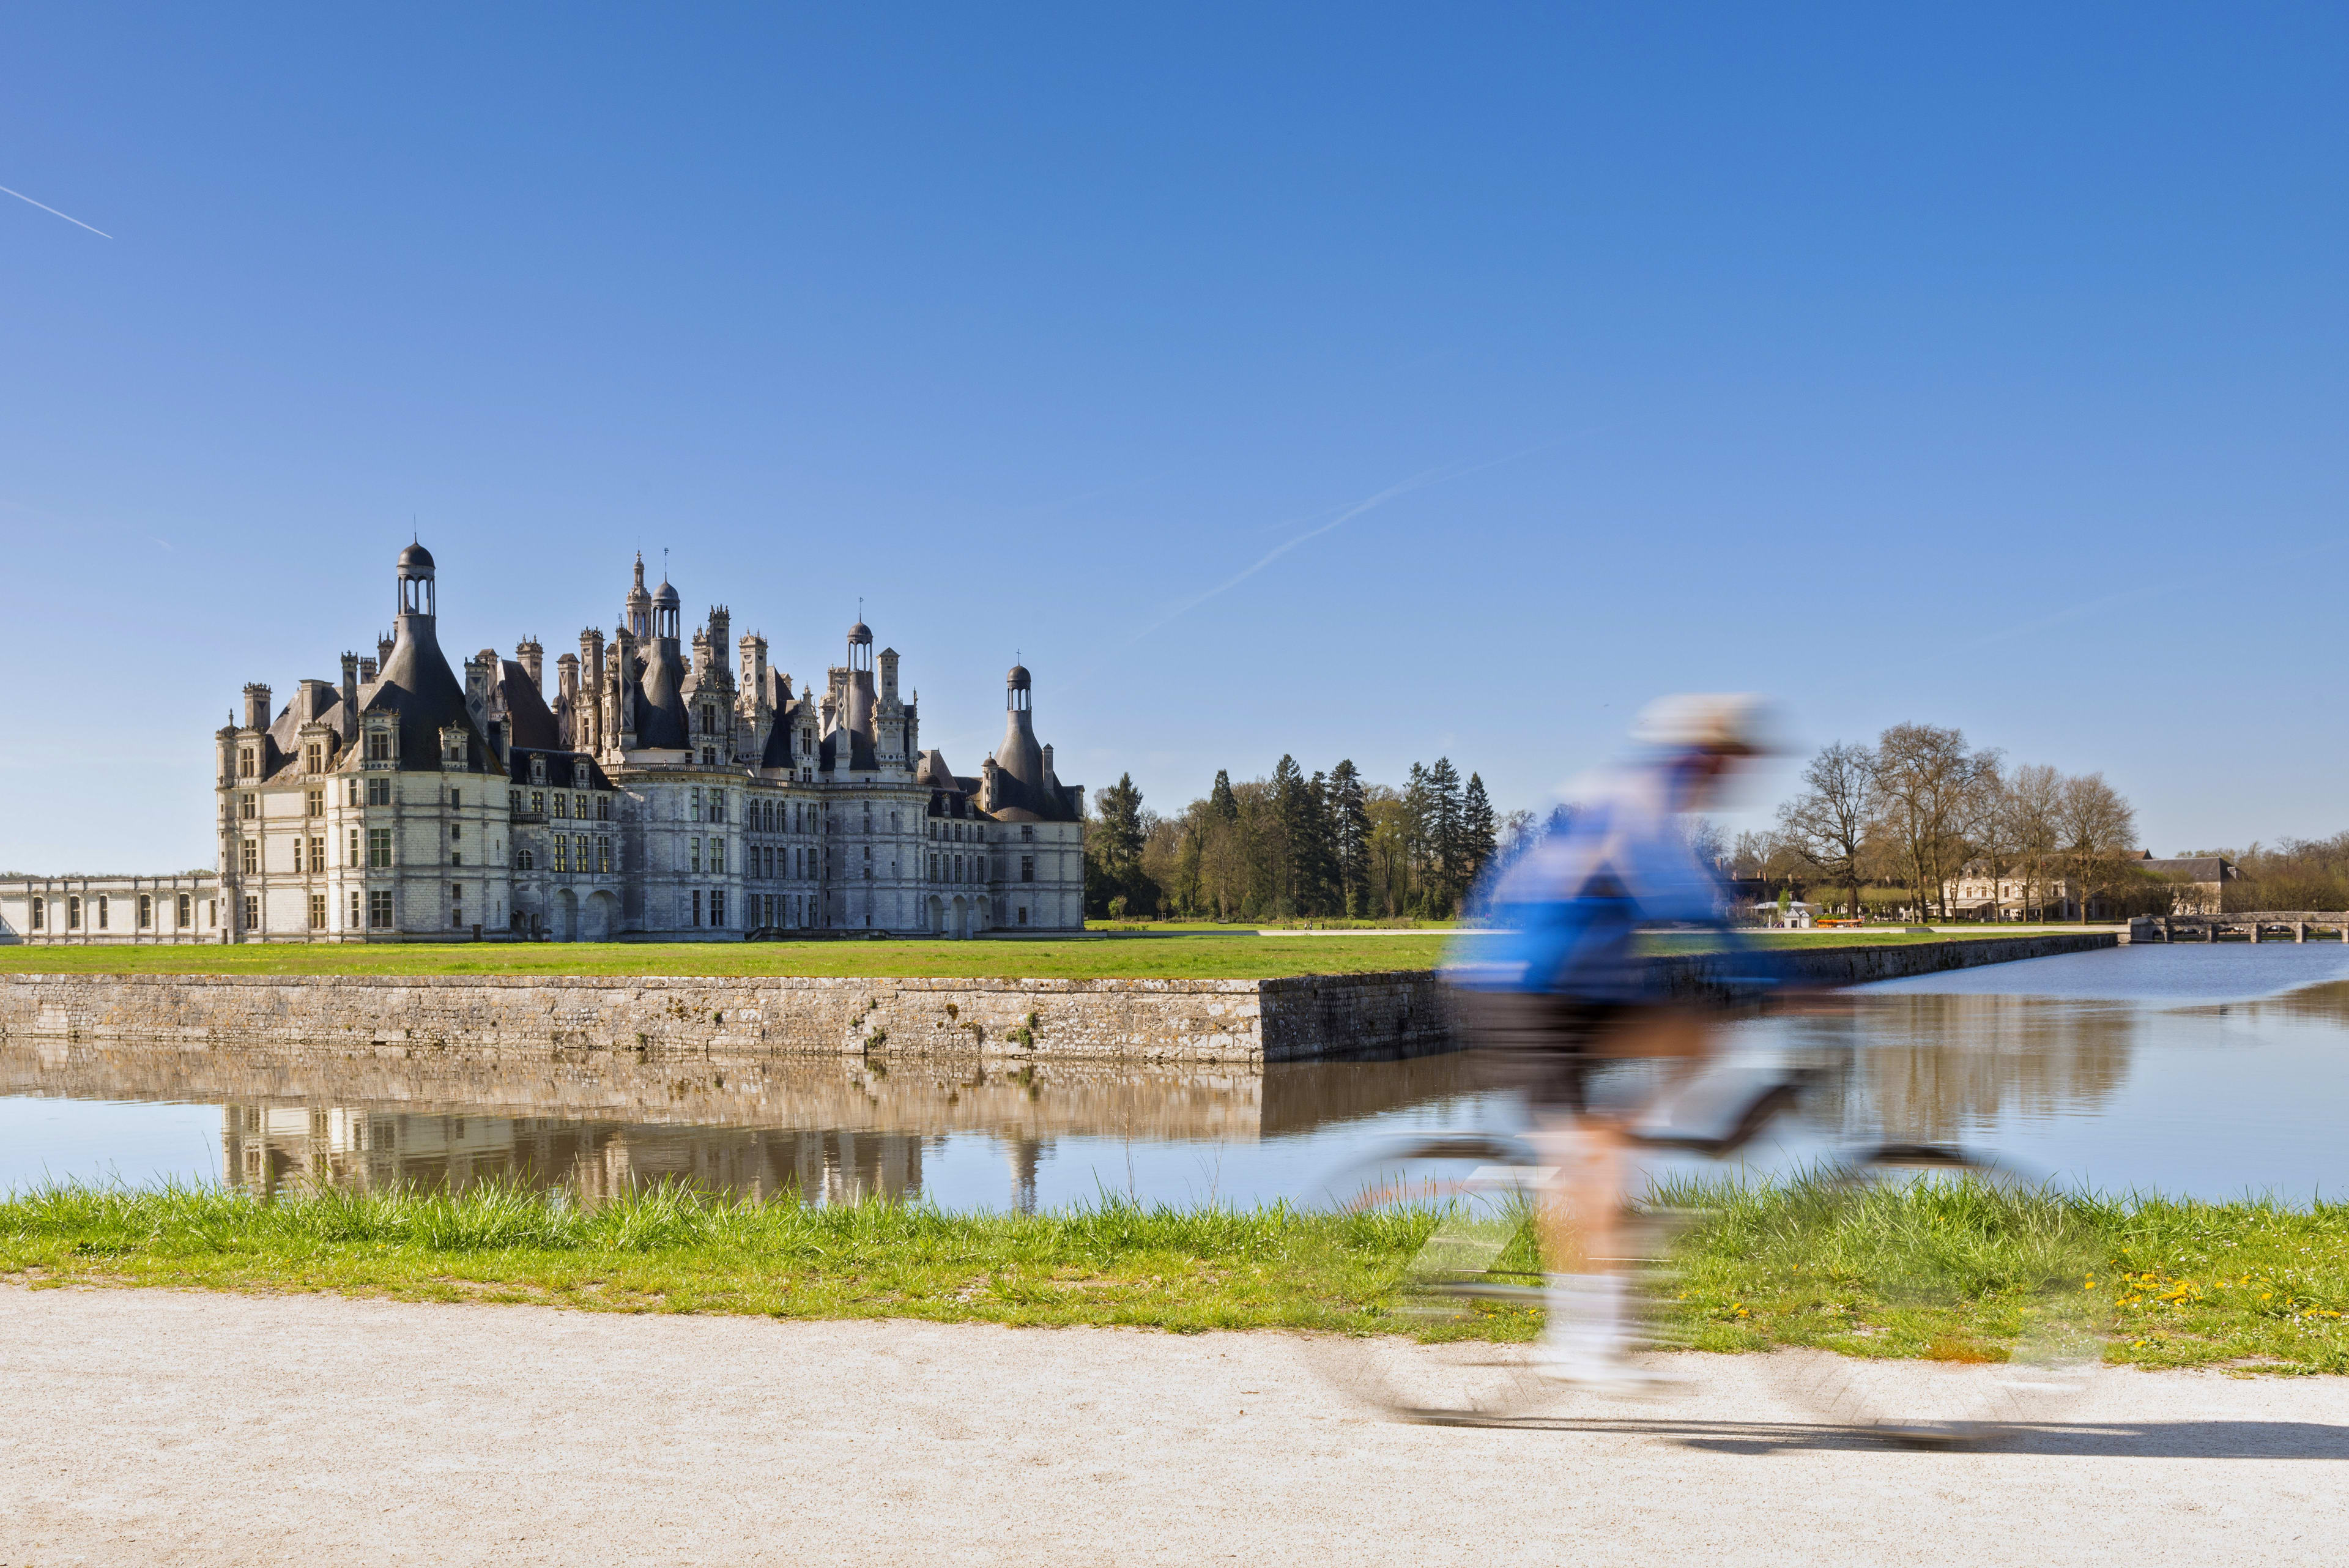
pixel 249 857
pixel 378 849
pixel 718 906
pixel 1027 834
pixel 456 830
pixel 709 726
pixel 717 805
pixel 603 854
pixel 1027 868
pixel 378 792
pixel 538 770
pixel 248 806
pixel 1024 914
pixel 693 848
pixel 561 803
pixel 562 853
pixel 696 905
pixel 353 923
pixel 455 903
pixel 455 800
pixel 579 843
pixel 248 764
pixel 40 914
pixel 252 911
pixel 314 802
pixel 352 847
pixel 718 857
pixel 351 792
pixel 697 804
pixel 523 861
pixel 538 802
pixel 187 909
pixel 603 808
pixel 317 852
pixel 317 911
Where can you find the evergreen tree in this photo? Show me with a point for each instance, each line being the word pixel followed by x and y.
pixel 1292 810
pixel 1419 841
pixel 1220 800
pixel 1446 832
pixel 1114 851
pixel 1477 829
pixel 1350 827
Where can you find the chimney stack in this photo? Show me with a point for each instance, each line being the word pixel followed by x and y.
pixel 382 650
pixel 256 706
pixel 350 683
pixel 533 660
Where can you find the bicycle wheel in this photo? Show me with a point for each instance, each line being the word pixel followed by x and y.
pixel 1953 1290
pixel 1436 1236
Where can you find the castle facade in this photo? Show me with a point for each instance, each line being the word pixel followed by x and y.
pixel 660 792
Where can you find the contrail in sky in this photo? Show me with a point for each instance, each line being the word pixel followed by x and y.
pixel 68 217
pixel 1430 476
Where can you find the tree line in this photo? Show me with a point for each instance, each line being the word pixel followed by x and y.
pixel 1919 805
pixel 1294 846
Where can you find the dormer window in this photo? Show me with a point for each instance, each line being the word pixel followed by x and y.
pixel 314 757
pixel 248 762
pixel 452 747
pixel 538 770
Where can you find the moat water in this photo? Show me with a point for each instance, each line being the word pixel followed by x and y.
pixel 2212 1071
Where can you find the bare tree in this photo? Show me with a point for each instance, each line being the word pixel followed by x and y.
pixel 2099 831
pixel 2034 799
pixel 1927 781
pixel 1829 822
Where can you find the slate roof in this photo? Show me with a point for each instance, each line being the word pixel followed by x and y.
pixel 561 769
pixel 417 683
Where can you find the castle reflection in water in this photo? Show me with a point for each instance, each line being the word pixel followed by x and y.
pixel 266 1148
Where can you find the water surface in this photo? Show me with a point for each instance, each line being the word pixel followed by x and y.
pixel 2190 1069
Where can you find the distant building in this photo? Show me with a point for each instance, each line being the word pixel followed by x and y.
pixel 1977 895
pixel 659 794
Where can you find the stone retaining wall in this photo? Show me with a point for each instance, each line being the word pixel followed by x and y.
pixel 1299 1018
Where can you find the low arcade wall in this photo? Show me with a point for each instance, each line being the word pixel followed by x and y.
pixel 1293 1019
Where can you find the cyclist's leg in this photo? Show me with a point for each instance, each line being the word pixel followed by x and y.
pixel 1579 1216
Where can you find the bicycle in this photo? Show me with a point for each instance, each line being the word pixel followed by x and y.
pixel 1910 1246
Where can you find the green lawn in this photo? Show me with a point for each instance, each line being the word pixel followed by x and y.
pixel 1194 953
pixel 2254 1286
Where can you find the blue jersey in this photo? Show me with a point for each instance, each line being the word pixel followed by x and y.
pixel 1568 910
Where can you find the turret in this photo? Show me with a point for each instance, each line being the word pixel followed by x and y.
pixel 860 681
pixel 636 610
pixel 417 595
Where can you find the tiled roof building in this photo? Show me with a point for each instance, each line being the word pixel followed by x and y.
pixel 660 793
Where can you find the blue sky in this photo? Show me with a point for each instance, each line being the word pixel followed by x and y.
pixel 1350 381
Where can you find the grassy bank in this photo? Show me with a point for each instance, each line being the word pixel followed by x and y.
pixel 1157 953
pixel 2180 1284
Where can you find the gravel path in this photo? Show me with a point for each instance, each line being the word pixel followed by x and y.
pixel 144 1427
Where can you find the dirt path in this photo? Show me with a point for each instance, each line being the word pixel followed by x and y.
pixel 140 1427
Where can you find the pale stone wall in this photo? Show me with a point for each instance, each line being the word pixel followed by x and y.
pixel 1299 1018
pixel 1189 1021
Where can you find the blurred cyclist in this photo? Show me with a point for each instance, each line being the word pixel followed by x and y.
pixel 1562 988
